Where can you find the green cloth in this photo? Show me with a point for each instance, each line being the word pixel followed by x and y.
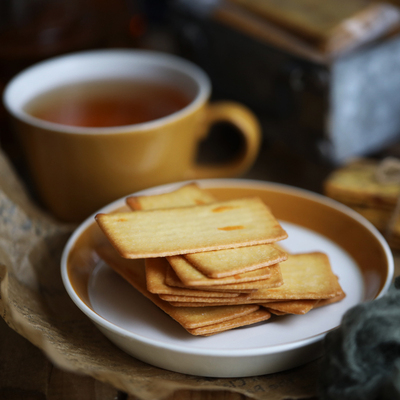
pixel 362 356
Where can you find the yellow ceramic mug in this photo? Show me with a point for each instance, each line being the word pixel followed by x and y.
pixel 77 170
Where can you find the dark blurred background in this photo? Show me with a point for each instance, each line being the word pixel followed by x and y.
pixel 323 95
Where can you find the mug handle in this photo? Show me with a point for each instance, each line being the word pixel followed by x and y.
pixel 248 125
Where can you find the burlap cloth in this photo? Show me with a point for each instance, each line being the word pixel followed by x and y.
pixel 34 303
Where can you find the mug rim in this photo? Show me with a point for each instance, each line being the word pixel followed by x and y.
pixel 166 60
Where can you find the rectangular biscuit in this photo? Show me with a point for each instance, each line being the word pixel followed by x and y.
pixel 216 303
pixel 155 281
pixel 276 312
pixel 222 263
pixel 187 195
pixel 171 279
pixel 300 306
pixel 191 276
pixel 273 280
pixel 306 276
pixel 240 299
pixel 217 263
pixel 249 319
pixel 332 300
pixel 291 306
pixel 183 230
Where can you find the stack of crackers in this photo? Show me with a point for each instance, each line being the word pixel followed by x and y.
pixel 213 265
pixel 365 185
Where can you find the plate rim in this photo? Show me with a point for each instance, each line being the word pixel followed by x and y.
pixel 227 352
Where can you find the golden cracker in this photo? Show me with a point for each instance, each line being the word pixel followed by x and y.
pixel 155 280
pixel 306 276
pixel 222 263
pixel 191 276
pixel 276 312
pixel 199 304
pixel 273 280
pixel 249 319
pixel 325 302
pixel 301 306
pixel 188 195
pixel 183 230
pixel 291 306
pixel 216 302
pixel 239 299
pixel 171 279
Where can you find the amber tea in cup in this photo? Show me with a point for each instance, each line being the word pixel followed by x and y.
pixel 107 103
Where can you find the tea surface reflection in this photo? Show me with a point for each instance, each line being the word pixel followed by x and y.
pixel 107 103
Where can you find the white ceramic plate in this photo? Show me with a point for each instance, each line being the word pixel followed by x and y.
pixel 357 252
